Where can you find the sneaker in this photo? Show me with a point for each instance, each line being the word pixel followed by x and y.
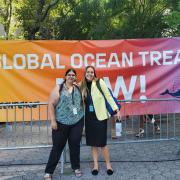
pixel 78 173
pixel 152 120
pixel 141 133
pixel 157 129
pixel 47 176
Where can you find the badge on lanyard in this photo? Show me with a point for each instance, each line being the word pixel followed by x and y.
pixel 91 108
pixel 74 110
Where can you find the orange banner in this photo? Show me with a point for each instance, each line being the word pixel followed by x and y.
pixel 133 69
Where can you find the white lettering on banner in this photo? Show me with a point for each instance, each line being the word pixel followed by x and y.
pixel 159 58
pixel 120 84
pixel 113 60
pixel 58 65
pixel 4 64
pixel 19 58
pixel 101 60
pixel 77 57
pixel 177 58
pixel 143 54
pixel 142 87
pixel 166 57
pixel 155 56
pixel 98 60
pixel 126 59
pixel 47 61
pixel 32 60
pixel 87 59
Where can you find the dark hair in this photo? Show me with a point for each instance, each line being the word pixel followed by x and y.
pixel 69 70
pixel 93 70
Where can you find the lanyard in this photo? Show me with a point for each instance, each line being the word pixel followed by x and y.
pixel 90 97
pixel 73 96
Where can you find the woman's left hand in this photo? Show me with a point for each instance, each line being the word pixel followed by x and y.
pixel 118 115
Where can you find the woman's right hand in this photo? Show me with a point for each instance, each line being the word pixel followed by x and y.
pixel 54 125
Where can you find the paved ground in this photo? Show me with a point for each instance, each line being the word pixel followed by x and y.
pixel 133 161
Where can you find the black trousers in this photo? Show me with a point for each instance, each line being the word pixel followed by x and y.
pixel 73 134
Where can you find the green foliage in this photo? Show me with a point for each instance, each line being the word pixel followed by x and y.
pixel 77 19
pixel 172 19
pixel 137 19
pixel 32 14
pixel 89 19
pixel 6 15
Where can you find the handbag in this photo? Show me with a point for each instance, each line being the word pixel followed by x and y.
pixel 108 106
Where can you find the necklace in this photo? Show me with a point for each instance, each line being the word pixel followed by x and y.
pixel 67 86
pixel 69 89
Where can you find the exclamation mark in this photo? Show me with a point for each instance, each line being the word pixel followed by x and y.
pixel 142 87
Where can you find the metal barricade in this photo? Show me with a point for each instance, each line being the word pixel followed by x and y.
pixel 148 126
pixel 26 125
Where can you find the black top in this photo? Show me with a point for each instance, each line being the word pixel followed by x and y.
pixel 88 97
pixel 96 131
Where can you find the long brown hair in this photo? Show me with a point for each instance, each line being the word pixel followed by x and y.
pixel 83 86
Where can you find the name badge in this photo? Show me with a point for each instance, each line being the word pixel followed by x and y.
pixel 74 111
pixel 91 108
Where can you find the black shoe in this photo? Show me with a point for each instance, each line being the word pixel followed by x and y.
pixel 141 133
pixel 95 172
pixel 110 172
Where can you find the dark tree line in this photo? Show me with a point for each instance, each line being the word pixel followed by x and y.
pixel 89 19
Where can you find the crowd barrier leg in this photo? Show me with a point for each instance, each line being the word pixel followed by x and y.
pixel 62 162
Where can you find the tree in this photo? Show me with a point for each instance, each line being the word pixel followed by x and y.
pixel 76 19
pixel 120 19
pixel 90 19
pixel 137 19
pixel 32 14
pixel 172 19
pixel 6 15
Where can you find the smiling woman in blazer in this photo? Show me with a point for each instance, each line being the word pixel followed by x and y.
pixel 96 116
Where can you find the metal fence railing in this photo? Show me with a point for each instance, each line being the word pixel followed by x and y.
pixel 26 125
pixel 160 125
